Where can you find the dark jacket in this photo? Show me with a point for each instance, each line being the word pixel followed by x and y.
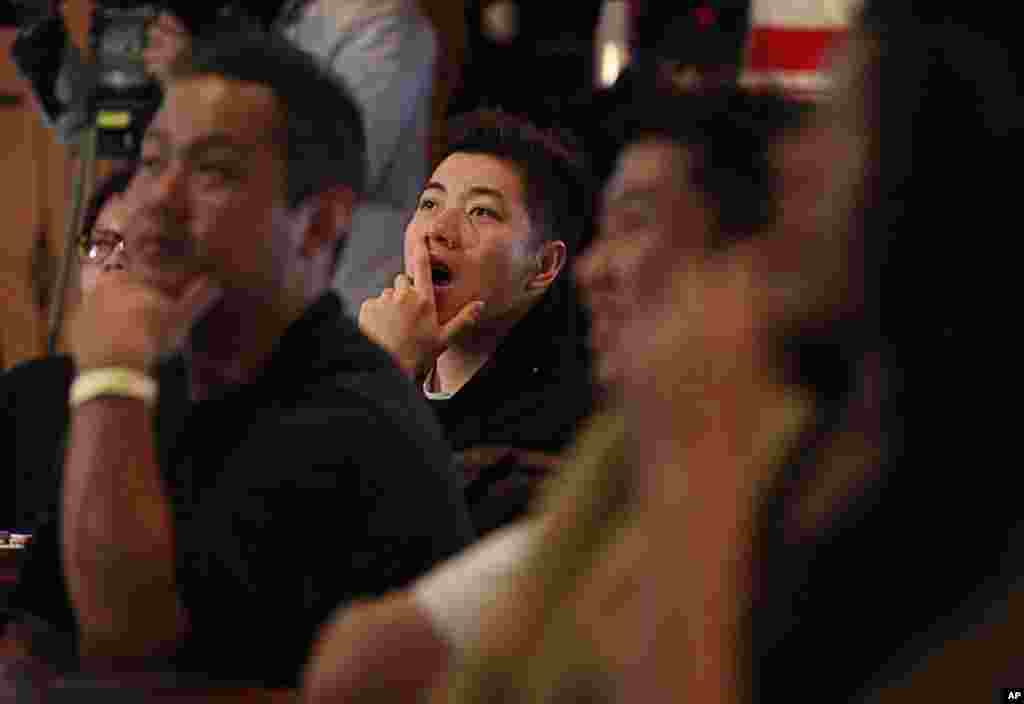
pixel 532 394
pixel 324 480
pixel 33 416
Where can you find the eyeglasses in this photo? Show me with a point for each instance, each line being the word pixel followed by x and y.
pixel 99 245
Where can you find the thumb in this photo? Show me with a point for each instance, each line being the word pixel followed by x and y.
pixel 465 319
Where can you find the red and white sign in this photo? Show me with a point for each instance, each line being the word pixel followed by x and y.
pixel 790 42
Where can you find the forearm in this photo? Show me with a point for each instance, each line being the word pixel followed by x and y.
pixel 701 499
pixel 381 651
pixel 692 598
pixel 118 543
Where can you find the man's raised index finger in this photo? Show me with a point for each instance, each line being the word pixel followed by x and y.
pixel 422 280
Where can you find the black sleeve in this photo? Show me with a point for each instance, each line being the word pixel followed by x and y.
pixel 333 509
pixel 33 422
pixel 7 468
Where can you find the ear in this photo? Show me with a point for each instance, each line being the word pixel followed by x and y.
pixel 550 260
pixel 330 219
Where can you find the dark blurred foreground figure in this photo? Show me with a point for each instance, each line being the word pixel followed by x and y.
pixel 240 459
pixel 849 533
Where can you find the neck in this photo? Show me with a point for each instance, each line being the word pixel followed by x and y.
pixel 234 342
pixel 465 357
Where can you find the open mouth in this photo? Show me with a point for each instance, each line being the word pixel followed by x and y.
pixel 440 274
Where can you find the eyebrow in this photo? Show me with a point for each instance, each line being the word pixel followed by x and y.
pixel 474 191
pixel 208 143
pixel 106 231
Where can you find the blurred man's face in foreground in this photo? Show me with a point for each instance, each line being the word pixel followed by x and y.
pixel 652 215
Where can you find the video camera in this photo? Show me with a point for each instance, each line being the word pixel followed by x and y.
pixel 113 92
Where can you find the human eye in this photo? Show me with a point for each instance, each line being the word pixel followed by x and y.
pixel 218 171
pixel 478 211
pixel 99 247
pixel 426 203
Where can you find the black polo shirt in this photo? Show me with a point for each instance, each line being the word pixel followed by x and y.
pixel 33 418
pixel 532 394
pixel 324 480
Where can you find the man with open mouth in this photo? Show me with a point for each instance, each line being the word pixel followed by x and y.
pixel 484 316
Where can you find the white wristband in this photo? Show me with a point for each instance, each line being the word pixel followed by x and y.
pixel 112 381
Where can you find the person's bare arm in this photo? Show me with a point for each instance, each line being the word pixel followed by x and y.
pixel 117 528
pixel 386 650
pixel 400 648
pixel 710 424
pixel 117 533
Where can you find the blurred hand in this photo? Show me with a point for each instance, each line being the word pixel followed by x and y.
pixel 403 320
pixel 711 422
pixel 701 375
pixel 385 650
pixel 127 323
pixel 168 42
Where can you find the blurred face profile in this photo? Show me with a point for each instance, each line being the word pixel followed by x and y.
pixel 810 265
pixel 102 249
pixel 212 189
pixel 653 219
pixel 472 220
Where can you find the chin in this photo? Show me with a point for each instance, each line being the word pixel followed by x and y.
pixel 449 303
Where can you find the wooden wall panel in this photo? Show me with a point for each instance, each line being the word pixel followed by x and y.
pixel 35 188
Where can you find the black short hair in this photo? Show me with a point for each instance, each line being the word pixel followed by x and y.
pixel 730 134
pixel 116 182
pixel 692 33
pixel 559 192
pixel 323 132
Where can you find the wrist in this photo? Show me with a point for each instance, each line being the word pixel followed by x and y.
pixel 87 360
pixel 415 364
pixel 418 370
pixel 115 382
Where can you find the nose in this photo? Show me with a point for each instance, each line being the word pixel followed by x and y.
pixel 118 259
pixel 446 229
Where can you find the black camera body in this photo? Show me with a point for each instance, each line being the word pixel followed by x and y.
pixel 113 92
pixel 123 97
